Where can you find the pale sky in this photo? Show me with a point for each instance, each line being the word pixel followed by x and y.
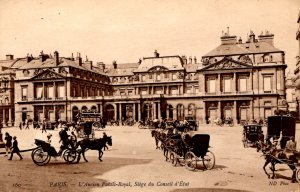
pixel 126 30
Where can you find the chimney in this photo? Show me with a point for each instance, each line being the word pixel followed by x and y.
pixel 140 61
pixel 79 59
pixel 190 60
pixel 252 37
pixel 101 66
pixel 43 56
pixel 184 59
pixel 56 58
pixel 89 65
pixel 9 57
pixel 267 37
pixel 115 64
pixel 195 59
pixel 227 39
pixel 156 54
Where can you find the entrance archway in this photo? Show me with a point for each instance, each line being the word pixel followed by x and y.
pixel 109 112
pixel 94 109
pixel 170 110
pixel 75 112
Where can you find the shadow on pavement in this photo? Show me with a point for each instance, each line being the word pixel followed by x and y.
pixel 44 178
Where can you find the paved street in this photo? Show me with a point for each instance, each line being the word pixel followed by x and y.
pixel 133 158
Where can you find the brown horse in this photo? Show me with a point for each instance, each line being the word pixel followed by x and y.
pixel 278 156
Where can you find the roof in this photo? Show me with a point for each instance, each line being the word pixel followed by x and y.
pixel 123 69
pixel 244 48
pixel 169 62
pixel 49 63
pixel 192 67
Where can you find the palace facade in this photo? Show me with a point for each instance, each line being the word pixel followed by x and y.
pixel 242 80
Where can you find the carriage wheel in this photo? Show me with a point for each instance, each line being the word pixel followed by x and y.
pixel 190 161
pixel 173 159
pixel 39 157
pixel 70 156
pixel 209 160
pixel 141 126
pixel 96 124
pixel 298 175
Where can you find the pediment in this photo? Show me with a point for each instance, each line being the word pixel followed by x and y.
pixel 47 74
pixel 157 69
pixel 226 64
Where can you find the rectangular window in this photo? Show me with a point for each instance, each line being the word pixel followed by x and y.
pixel 61 91
pixel 196 89
pixel 143 78
pixel 212 86
pixel 122 92
pixel 24 92
pixel 150 76
pixel 158 77
pixel 174 76
pixel 267 84
pixel 39 92
pixel 227 85
pixel 243 85
pixel 174 91
pixel 189 90
pixel 143 92
pixel 130 92
pixel 166 75
pixel 50 92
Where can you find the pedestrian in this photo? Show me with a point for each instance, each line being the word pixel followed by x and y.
pixel 27 124
pixel 8 144
pixel 23 124
pixel 15 149
pixel 20 125
pixel 44 126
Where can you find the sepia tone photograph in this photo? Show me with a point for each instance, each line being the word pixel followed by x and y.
pixel 148 95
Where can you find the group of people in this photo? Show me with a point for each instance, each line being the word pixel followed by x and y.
pixel 36 125
pixel 11 147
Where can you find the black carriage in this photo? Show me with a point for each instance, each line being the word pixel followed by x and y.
pixel 281 125
pixel 199 151
pixel 43 153
pixel 88 123
pixel 251 134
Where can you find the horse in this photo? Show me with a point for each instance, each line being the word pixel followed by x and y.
pixel 95 144
pixel 279 156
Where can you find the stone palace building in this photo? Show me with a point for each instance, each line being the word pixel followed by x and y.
pixel 242 80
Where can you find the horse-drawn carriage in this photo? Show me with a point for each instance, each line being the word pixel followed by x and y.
pixel 186 150
pixel 88 123
pixel 251 134
pixel 43 153
pixel 281 128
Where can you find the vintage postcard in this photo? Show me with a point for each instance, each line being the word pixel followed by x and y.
pixel 147 95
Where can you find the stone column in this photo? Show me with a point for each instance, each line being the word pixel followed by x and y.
pixel 54 89
pixel 219 110
pixel 251 110
pixel 139 112
pixel 154 110
pixel 175 113
pixel 159 110
pixel 3 116
pixel 120 111
pixel 115 114
pixel 234 83
pixel 218 86
pixel 234 114
pixel 133 111
pixel 205 112
pixel 43 96
pixel 9 117
pixel 168 112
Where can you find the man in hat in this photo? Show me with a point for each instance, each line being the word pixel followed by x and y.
pixel 15 149
pixel 291 145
